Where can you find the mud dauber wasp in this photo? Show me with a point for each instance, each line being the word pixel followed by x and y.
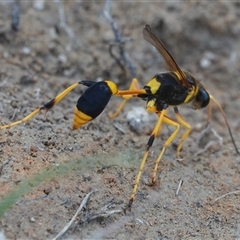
pixel 164 90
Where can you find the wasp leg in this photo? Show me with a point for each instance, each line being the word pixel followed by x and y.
pixel 46 107
pixel 168 121
pixel 22 120
pixel 134 86
pixel 160 129
pixel 182 122
pixel 149 144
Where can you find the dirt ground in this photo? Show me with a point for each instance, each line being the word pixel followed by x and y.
pixel 46 169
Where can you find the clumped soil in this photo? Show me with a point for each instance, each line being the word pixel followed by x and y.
pixel 46 169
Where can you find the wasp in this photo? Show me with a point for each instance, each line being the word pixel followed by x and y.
pixel 164 90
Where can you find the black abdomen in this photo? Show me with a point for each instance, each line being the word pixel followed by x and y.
pixel 94 99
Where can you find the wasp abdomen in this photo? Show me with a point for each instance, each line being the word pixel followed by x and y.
pixel 92 102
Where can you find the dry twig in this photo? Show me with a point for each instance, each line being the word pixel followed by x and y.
pixel 84 202
pixel 123 60
pixel 3 165
pixel 64 25
pixel 103 212
pixel 15 15
pixel 210 143
pixel 179 186
pixel 234 192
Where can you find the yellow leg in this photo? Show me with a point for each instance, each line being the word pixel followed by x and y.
pixel 61 95
pixel 23 120
pixel 46 107
pixel 182 122
pixel 149 144
pixel 134 86
pixel 160 129
pixel 166 144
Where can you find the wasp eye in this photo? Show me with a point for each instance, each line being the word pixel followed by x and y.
pixel 201 100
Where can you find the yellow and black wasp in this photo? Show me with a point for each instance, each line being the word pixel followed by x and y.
pixel 164 90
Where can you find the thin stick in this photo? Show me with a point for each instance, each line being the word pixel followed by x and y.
pixel 119 41
pixel 209 144
pixel 14 114
pixel 234 192
pixel 3 165
pixel 64 26
pixel 84 202
pixel 16 15
pixel 104 214
pixel 179 186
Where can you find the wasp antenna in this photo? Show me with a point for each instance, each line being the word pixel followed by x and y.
pixel 226 122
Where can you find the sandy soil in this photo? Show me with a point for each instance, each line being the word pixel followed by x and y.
pixel 46 169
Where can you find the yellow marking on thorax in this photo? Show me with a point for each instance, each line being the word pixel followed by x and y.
pixel 192 94
pixel 154 85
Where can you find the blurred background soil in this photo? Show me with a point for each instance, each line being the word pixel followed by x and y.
pixel 46 169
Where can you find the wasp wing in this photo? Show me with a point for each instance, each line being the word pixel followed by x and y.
pixel 150 36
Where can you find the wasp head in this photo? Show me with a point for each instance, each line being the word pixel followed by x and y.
pixel 202 98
